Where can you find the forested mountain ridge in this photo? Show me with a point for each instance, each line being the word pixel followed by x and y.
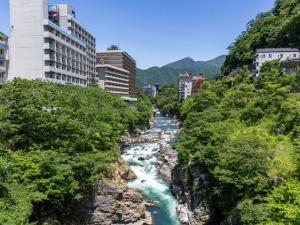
pixel 279 27
pixel 169 73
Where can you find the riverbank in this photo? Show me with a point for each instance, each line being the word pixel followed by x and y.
pixel 152 160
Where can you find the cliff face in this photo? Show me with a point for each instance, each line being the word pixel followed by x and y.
pixel 188 187
pixel 113 203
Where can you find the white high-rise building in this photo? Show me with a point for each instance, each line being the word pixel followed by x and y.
pixel 47 42
pixel 185 84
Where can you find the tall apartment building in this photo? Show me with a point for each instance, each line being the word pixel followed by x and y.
pixel 3 57
pixel 49 43
pixel 113 79
pixel 118 58
pixel 188 85
pixel 185 82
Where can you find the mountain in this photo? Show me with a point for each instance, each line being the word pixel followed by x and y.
pixel 169 73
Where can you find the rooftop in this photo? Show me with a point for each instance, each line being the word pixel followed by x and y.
pixel 3 35
pixel 269 50
pixel 119 50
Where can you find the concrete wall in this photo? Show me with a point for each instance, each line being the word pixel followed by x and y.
pixel 27 41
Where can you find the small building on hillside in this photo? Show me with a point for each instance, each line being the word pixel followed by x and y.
pixel 268 54
pixel 189 84
pixel 150 90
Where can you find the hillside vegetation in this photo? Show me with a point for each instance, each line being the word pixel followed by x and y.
pixel 169 73
pixel 279 27
pixel 56 141
pixel 244 133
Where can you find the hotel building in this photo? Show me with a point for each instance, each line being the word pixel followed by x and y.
pixel 188 85
pixel 48 43
pixel 113 79
pixel 118 58
pixel 3 57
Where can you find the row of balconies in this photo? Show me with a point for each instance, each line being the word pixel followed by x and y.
pixel 79 29
pixel 117 82
pixel 56 77
pixel 117 78
pixel 54 37
pixel 56 34
pixel 65 70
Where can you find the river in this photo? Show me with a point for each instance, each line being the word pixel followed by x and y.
pixel 143 158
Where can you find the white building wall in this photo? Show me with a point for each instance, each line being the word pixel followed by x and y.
pixel 262 57
pixel 42 49
pixel 27 41
pixel 185 87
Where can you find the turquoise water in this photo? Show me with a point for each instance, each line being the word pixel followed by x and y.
pixel 153 188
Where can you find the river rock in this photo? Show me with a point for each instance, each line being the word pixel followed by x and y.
pixel 112 203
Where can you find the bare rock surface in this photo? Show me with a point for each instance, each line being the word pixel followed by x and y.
pixel 113 203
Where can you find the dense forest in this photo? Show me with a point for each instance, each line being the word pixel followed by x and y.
pixel 56 141
pixel 244 133
pixel 279 27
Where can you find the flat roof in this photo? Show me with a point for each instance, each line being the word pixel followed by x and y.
pixel 109 51
pixel 269 50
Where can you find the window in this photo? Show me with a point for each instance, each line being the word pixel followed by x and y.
pixel 281 55
pixel 294 55
pixel 270 56
pixel 263 56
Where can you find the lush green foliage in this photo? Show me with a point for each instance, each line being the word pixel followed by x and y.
pixel 243 131
pixel 276 28
pixel 58 139
pixel 169 73
pixel 167 100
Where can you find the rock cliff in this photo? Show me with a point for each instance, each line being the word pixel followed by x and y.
pixel 188 187
pixel 113 203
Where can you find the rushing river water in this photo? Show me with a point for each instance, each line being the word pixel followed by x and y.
pixel 153 188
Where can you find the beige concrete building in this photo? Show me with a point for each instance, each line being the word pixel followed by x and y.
pixel 118 58
pixel 113 79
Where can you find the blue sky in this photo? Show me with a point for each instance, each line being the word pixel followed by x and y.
pixel 157 32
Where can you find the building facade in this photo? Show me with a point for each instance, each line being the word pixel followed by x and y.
pixel 185 84
pixel 3 57
pixel 268 54
pixel 197 81
pixel 44 45
pixel 113 79
pixel 188 85
pixel 150 90
pixel 118 58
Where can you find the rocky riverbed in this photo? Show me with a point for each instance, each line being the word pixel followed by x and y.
pixel 154 173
